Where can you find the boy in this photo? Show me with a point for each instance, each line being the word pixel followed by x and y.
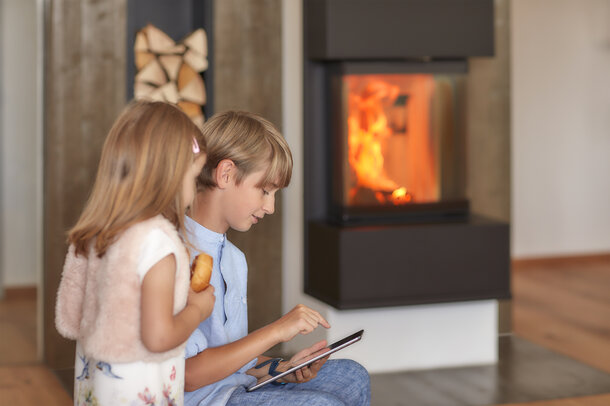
pixel 248 162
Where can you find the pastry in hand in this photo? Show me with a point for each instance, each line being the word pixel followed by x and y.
pixel 201 272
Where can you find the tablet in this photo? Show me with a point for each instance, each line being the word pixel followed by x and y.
pixel 324 352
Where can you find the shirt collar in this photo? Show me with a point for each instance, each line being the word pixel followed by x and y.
pixel 198 232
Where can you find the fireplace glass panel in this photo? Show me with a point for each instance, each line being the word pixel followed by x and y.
pixel 400 141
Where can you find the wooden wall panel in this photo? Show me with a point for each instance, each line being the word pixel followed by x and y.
pixel 85 72
pixel 248 76
pixel 84 92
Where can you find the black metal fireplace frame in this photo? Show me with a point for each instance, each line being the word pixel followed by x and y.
pixel 447 209
pixel 421 260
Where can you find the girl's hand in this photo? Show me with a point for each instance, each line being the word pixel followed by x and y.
pixel 306 373
pixel 301 320
pixel 203 301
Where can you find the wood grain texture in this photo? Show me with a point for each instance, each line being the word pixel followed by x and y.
pixel 564 304
pixel 84 91
pixel 248 63
pixel 31 385
pixel 18 327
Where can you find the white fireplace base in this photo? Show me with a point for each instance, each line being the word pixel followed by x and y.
pixel 412 337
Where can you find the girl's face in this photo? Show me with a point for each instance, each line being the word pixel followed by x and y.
pixel 188 183
pixel 247 203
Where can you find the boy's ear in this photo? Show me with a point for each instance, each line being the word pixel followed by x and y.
pixel 225 171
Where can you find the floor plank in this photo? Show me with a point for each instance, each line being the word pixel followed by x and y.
pixel 602 400
pixel 564 304
pixel 18 328
pixel 30 385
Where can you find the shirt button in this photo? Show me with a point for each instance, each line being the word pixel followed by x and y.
pixel 244 300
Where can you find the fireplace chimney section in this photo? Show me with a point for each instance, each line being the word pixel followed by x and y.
pixel 398 29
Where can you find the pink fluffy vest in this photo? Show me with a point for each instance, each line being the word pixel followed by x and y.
pixel 98 301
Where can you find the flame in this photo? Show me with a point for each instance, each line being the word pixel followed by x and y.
pixel 369 130
pixel 401 194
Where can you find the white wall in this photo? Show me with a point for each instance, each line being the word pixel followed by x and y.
pixel 397 338
pixel 560 127
pixel 20 160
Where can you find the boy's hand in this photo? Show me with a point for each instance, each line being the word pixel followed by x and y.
pixel 203 301
pixel 301 320
pixel 306 373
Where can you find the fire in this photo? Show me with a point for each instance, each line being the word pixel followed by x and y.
pixel 372 131
pixel 401 194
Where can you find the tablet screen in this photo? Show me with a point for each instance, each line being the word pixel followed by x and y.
pixel 324 352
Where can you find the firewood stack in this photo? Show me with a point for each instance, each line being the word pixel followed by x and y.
pixel 170 71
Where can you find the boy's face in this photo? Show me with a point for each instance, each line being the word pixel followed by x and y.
pixel 247 203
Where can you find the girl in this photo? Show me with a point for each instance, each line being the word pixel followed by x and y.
pixel 124 294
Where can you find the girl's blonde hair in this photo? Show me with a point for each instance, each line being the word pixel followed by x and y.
pixel 145 157
pixel 252 143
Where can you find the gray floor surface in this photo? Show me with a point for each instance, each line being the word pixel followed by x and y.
pixel 525 372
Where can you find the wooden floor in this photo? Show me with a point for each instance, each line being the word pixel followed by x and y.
pixel 29 385
pixel 564 304
pixel 561 304
pixel 525 372
pixel 18 327
pixel 600 400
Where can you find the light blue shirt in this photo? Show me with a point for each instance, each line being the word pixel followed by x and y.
pixel 229 319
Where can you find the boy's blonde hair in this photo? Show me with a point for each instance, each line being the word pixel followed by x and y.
pixel 145 157
pixel 252 143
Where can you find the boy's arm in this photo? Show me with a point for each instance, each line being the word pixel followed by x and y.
pixel 213 364
pixel 216 363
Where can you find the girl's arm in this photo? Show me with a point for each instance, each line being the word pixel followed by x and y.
pixel 214 364
pixel 161 330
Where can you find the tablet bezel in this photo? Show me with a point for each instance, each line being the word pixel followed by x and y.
pixel 334 347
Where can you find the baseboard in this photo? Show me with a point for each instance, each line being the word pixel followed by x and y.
pixel 550 260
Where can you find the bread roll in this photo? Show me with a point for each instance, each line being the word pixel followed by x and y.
pixel 201 272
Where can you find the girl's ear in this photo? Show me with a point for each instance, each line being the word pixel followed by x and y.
pixel 225 171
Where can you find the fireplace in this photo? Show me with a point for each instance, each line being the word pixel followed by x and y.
pixel 397 141
pixel 387 216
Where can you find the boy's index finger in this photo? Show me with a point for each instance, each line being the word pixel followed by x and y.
pixel 323 322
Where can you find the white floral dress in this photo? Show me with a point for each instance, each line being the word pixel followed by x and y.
pixel 136 383
pixel 132 384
